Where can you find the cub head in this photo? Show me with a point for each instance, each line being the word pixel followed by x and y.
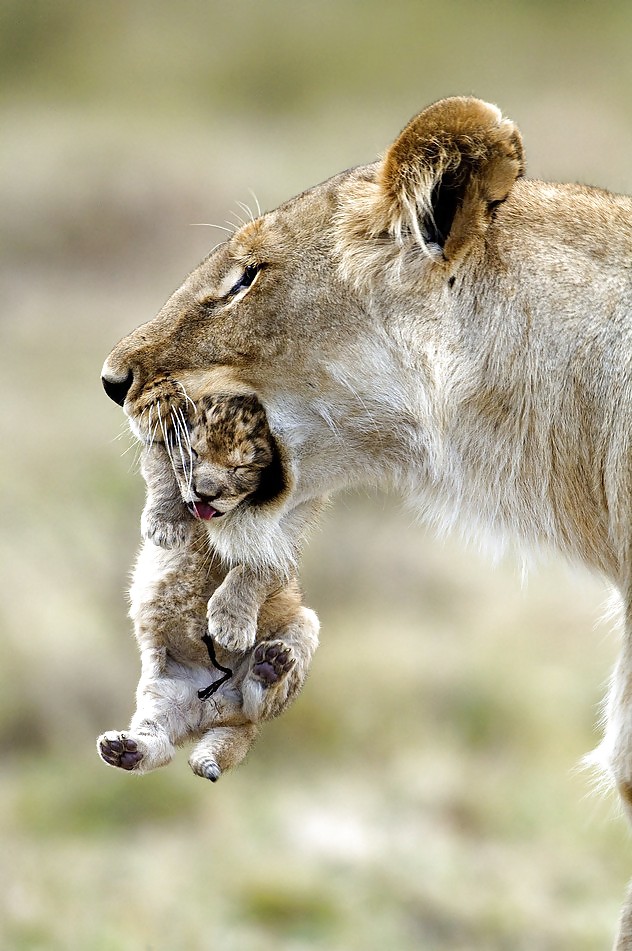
pixel 227 455
pixel 306 305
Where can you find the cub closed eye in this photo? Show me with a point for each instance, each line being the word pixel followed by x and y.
pixel 246 279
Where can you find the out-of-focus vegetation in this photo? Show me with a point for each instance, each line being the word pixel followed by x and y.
pixel 422 793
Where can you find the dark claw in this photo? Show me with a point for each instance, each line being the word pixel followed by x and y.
pixel 207 769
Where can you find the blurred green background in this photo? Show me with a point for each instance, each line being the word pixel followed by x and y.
pixel 423 791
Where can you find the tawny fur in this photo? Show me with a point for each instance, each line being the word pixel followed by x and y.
pixel 437 323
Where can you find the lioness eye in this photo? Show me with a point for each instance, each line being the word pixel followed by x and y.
pixel 246 279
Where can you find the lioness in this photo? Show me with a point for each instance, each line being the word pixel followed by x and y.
pixel 462 332
pixel 206 465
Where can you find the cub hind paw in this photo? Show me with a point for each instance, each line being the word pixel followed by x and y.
pixel 271 660
pixel 119 749
pixel 206 767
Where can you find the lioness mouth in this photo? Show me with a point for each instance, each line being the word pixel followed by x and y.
pixel 203 510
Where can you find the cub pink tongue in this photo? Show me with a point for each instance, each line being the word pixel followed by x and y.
pixel 203 510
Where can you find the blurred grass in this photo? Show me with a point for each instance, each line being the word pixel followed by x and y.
pixel 423 792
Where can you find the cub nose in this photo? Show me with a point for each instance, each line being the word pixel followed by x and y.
pixel 115 388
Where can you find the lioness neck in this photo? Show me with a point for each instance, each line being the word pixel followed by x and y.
pixel 521 365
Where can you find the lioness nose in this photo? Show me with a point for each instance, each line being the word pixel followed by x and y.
pixel 117 389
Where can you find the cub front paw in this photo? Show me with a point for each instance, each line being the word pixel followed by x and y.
pixel 230 628
pixel 119 749
pixel 166 533
pixel 271 660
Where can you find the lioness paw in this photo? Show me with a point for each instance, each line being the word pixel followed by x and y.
pixel 119 749
pixel 229 627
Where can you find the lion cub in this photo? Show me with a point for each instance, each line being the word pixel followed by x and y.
pixel 222 463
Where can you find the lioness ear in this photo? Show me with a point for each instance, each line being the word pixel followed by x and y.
pixel 447 171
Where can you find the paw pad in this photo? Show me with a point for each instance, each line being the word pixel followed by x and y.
pixel 117 749
pixel 271 661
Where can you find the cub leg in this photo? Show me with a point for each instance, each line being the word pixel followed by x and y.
pixel 234 607
pixel 221 748
pixel 278 666
pixel 165 705
pixel 166 520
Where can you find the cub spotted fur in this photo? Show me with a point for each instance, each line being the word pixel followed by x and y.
pixel 437 323
pixel 214 460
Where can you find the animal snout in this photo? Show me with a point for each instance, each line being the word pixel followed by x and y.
pixel 116 387
pixel 207 493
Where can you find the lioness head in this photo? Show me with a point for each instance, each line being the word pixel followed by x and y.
pixel 307 305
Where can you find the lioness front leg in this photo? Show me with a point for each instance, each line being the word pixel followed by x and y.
pixel 616 749
pixel 234 607
pixel 615 753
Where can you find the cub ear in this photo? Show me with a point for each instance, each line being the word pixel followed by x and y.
pixel 447 171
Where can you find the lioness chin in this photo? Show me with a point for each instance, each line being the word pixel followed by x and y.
pixel 464 333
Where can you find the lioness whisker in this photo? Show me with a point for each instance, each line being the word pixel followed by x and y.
pixel 184 426
pixel 186 396
pixel 240 221
pixel 187 466
pixel 209 224
pixel 165 435
pixel 246 210
pixel 259 212
pixel 151 435
pixel 182 422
